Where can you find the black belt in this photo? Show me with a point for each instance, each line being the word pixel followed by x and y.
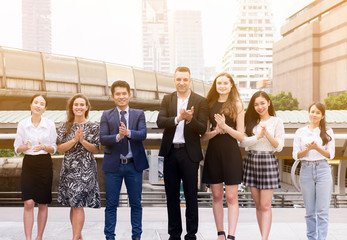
pixel 126 160
pixel 179 145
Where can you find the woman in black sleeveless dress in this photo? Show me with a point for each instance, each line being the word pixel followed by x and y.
pixel 223 161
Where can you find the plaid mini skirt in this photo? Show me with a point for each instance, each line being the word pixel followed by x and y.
pixel 260 170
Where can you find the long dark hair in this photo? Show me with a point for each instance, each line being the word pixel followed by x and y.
pixel 322 123
pixel 252 118
pixel 69 111
pixel 229 108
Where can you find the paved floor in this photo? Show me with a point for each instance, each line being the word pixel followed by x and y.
pixel 288 223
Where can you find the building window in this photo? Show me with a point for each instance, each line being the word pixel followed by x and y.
pixel 240 62
pixel 242 84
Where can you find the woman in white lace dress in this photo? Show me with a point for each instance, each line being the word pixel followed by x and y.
pixel 264 136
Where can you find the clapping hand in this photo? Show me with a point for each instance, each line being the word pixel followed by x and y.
pixel 311 145
pixel 219 130
pixel 123 131
pixel 220 119
pixel 262 132
pixel 38 147
pixel 186 114
pixel 80 135
pixel 28 144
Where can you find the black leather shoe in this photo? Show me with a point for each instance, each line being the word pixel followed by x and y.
pixel 231 237
pixel 136 238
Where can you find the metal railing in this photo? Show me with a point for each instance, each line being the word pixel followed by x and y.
pixel 50 73
pixel 158 199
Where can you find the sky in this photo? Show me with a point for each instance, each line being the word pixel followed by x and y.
pixel 111 30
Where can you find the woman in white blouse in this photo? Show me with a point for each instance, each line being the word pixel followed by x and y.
pixel 313 145
pixel 264 136
pixel 36 138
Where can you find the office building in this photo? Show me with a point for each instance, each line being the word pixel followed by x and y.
pixel 36 25
pixel 155 36
pixel 186 49
pixel 310 60
pixel 248 56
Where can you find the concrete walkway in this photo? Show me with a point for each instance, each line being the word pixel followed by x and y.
pixel 288 224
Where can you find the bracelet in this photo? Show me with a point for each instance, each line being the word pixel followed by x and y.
pixel 44 148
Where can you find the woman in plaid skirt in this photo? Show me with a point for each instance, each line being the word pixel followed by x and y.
pixel 313 145
pixel 264 136
pixel 223 160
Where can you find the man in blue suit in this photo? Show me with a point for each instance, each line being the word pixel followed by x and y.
pixel 122 130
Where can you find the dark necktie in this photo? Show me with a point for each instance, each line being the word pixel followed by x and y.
pixel 124 142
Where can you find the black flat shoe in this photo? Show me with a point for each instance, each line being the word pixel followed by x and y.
pixel 230 237
pixel 221 233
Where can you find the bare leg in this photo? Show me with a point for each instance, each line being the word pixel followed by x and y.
pixel 71 214
pixel 231 195
pixel 41 220
pixel 217 206
pixel 266 213
pixel 77 220
pixel 256 198
pixel 28 218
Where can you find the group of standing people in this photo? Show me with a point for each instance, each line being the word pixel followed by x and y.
pixel 223 114
pixel 183 115
pixel 186 117
pixel 78 139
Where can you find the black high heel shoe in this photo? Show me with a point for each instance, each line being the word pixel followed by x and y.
pixel 221 233
pixel 231 237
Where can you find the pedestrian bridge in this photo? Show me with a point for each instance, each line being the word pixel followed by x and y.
pixel 24 73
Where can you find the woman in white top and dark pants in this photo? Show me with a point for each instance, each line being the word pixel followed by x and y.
pixel 36 138
pixel 313 145
pixel 265 135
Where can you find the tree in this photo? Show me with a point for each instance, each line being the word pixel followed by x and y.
pixel 283 101
pixel 6 153
pixel 336 102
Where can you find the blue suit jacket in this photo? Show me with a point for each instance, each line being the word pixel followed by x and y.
pixel 109 128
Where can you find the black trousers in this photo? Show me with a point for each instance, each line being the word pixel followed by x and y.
pixel 177 167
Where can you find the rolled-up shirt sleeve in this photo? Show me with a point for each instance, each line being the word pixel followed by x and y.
pixel 296 145
pixel 52 137
pixel 248 141
pixel 19 140
pixel 330 146
pixel 279 135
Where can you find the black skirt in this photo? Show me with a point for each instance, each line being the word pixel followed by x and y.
pixel 36 180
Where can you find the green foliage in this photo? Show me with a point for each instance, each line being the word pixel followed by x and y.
pixel 336 102
pixel 6 153
pixel 283 101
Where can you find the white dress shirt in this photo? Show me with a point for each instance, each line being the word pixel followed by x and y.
pixel 179 133
pixel 304 135
pixel 45 133
pixel 274 126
